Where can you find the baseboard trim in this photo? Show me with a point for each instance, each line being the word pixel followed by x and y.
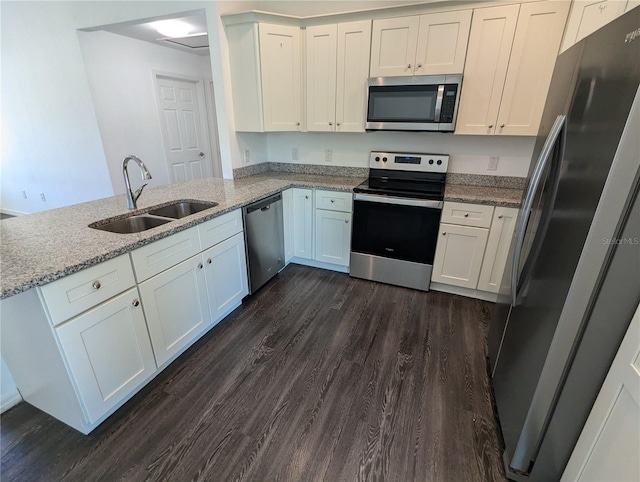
pixel 10 400
pixel 319 264
pixel 11 212
pixel 457 290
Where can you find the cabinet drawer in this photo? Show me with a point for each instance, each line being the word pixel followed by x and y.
pixel 218 229
pixel 160 255
pixel 464 214
pixel 80 291
pixel 334 200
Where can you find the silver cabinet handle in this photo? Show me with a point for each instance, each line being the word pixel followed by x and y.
pixel 96 285
pixel 201 154
pixel 330 123
pixel 466 215
pixel 297 123
pixel 135 302
pixel 500 217
pixel 419 65
pixel 306 197
pixel 333 200
pixel 346 221
pixel 527 203
pixel 337 123
pixel 444 233
pixel 409 66
pixel 199 265
pixel 501 126
pixel 491 126
pixel 208 260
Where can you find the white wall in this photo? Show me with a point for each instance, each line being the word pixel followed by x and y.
pixel 469 154
pixel 50 137
pixel 9 394
pixel 120 74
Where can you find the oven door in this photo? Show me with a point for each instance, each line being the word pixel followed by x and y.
pixel 394 239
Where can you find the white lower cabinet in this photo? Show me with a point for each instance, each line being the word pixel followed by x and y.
pixel 108 352
pixel 287 221
pixel 498 244
pixel 473 247
pixel 176 306
pixel 333 237
pixel 459 254
pixel 303 223
pixel 80 347
pixel 225 269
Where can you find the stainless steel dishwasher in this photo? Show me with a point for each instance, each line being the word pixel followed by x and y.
pixel 264 237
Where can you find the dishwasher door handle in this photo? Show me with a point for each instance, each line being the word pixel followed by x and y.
pixel 266 208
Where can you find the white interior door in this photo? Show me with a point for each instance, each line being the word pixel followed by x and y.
pixel 609 444
pixel 183 122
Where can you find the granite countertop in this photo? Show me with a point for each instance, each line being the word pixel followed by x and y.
pixel 496 196
pixel 39 248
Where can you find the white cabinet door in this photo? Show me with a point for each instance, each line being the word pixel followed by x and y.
pixel 485 70
pixel 108 352
pixel 333 237
pixel 393 46
pixel 609 444
pixel 303 223
pixel 459 254
pixel 321 77
pixel 287 218
pixel 533 56
pixel 442 43
pixel 587 16
pixel 226 275
pixel 176 306
pixel 495 256
pixel 280 65
pixel 354 41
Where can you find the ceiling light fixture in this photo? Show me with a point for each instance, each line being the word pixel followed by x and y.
pixel 172 28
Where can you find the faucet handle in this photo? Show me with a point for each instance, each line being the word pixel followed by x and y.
pixel 136 194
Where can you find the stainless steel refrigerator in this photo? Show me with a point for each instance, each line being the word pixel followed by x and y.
pixel 573 284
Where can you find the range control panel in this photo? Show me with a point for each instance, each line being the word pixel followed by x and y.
pixel 405 161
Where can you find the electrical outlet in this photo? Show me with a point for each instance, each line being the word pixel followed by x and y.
pixel 247 155
pixel 294 154
pixel 24 194
pixel 328 155
pixel 42 196
pixel 493 163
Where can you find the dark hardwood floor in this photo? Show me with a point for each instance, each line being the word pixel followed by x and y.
pixel 316 377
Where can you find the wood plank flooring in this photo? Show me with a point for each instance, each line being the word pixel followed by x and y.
pixel 318 376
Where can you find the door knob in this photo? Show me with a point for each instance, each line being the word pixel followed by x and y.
pixel 96 285
pixel 135 302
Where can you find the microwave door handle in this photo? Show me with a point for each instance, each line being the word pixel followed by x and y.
pixel 436 116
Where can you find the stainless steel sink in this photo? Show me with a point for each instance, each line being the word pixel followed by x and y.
pixel 133 224
pixel 153 218
pixel 181 209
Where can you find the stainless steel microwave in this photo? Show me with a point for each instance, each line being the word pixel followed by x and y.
pixel 417 103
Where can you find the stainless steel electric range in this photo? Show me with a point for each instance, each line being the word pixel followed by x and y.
pixel 396 215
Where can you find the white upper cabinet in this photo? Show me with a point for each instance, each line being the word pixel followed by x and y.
pixel 321 77
pixel 587 16
pixel 442 43
pixel 393 46
pixel 434 43
pixel 337 64
pixel 508 70
pixel 265 61
pixel 281 77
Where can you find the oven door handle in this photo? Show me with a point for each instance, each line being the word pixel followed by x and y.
pixel 401 201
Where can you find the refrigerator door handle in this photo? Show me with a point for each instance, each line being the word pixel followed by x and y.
pixel 527 203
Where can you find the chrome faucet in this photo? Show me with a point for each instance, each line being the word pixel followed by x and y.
pixel 132 197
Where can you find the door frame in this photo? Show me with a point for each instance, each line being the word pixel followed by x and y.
pixel 202 107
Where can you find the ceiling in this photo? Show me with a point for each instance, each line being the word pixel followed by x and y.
pixel 143 29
